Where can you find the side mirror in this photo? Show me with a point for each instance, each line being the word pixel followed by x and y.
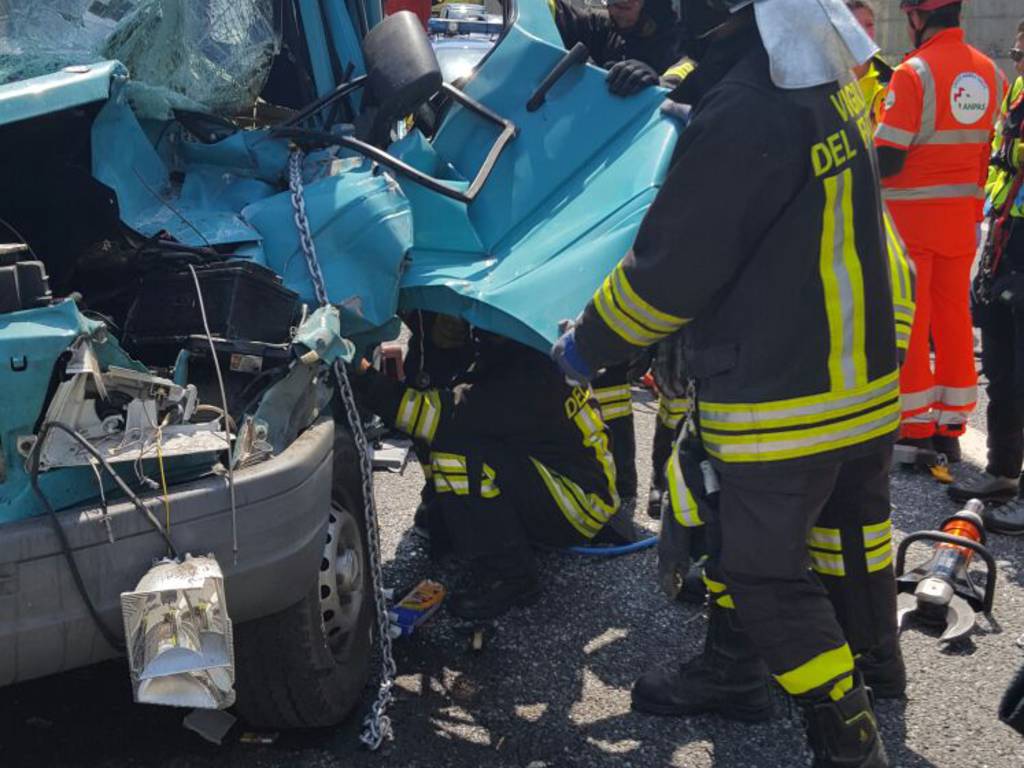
pixel 402 70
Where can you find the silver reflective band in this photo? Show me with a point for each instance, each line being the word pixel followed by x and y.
pixel 938 192
pixel 965 136
pixel 764 445
pixel 913 401
pixel 956 396
pixel 895 135
pixel 924 72
pixel 873 538
pixel 825 538
pixel 844 278
pixel 755 415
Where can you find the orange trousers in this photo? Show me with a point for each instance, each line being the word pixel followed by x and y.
pixel 937 400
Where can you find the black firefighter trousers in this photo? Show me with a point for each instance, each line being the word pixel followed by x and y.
pixel 499 507
pixel 805 558
pixel 1002 360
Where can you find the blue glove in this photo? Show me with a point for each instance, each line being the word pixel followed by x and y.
pixel 567 356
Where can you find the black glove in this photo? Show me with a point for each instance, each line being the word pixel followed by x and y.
pixel 669 367
pixel 626 78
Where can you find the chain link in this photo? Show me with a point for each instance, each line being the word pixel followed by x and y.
pixel 377 725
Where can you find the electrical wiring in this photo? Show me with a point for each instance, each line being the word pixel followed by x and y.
pixel 224 403
pixel 34 457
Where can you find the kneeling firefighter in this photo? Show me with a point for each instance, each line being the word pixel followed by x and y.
pixel 767 242
pixel 517 457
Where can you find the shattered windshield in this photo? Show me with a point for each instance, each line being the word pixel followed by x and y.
pixel 195 54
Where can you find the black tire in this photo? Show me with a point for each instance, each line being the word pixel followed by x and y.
pixel 299 668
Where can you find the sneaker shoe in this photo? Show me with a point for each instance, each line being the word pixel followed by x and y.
pixel 1007 519
pixel 987 488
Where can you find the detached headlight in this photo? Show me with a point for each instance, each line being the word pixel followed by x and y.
pixel 179 635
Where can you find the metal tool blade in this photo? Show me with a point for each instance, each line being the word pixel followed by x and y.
pixel 906 603
pixel 960 619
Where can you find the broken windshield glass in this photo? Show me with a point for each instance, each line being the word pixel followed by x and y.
pixel 211 54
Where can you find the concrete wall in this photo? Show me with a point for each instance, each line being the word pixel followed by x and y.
pixel 990 24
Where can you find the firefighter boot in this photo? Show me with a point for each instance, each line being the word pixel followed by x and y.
pixel 485 594
pixel 727 679
pixel 883 670
pixel 844 733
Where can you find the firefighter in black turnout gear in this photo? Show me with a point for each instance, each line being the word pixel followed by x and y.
pixel 517 456
pixel 635 56
pixel 766 243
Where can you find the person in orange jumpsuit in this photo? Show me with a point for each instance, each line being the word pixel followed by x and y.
pixel 933 140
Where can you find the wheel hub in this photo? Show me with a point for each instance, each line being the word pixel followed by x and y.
pixel 342 579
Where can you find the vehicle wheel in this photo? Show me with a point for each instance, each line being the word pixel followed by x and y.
pixel 307 666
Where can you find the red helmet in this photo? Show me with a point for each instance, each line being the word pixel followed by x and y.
pixel 925 5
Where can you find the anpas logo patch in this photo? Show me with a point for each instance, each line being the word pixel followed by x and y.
pixel 890 99
pixel 969 98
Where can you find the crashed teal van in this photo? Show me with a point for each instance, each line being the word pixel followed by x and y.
pixel 205 207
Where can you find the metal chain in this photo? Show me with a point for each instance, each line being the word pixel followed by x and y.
pixel 377 725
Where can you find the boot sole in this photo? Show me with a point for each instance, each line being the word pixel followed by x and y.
pixel 523 600
pixel 1003 532
pixel 964 496
pixel 667 710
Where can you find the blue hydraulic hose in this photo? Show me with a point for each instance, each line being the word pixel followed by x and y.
pixel 624 549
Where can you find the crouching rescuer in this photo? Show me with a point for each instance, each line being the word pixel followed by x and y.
pixel 767 243
pixel 517 457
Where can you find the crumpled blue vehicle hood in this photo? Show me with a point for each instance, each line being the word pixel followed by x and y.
pixel 561 207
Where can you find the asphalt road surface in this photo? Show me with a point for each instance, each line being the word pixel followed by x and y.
pixel 552 687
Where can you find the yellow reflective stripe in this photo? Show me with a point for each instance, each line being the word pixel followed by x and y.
pixel 429 416
pixel 795 436
pixel 828 564
pixel 448 462
pixel 594 437
pixel 825 538
pixel 840 689
pixel 488 484
pixel 843 284
pixel 836 413
pixel 609 394
pixel 715 587
pixel 618 321
pixel 824 405
pixel 879 560
pixel 672 411
pixel 684 505
pixel 877 534
pixel 407 407
pixel 612 411
pixel 855 276
pixel 818 672
pixel 725 602
pixel 797 443
pixel 644 312
pixel 445 483
pixel 566 503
